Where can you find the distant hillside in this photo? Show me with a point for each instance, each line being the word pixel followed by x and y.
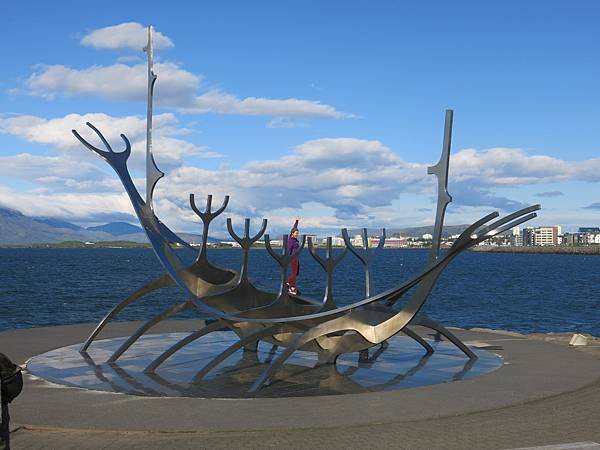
pixel 57 223
pixel 16 228
pixel 188 237
pixel 19 229
pixel 117 228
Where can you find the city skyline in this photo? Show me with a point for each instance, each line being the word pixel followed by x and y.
pixel 328 111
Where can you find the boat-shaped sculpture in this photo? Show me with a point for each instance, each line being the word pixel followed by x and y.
pixel 286 322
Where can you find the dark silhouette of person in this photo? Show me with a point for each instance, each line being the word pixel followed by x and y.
pixel 11 384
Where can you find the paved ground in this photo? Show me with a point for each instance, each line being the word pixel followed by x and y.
pixel 546 394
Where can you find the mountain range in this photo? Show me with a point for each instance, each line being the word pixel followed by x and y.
pixel 19 229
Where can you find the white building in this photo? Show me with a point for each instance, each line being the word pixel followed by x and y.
pixel 336 241
pixel 231 243
pixel 391 242
pixel 357 240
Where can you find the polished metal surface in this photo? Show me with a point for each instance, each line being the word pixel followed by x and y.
pixel 288 324
pixel 401 365
pixel 153 173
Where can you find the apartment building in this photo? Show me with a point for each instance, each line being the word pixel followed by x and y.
pixel 541 235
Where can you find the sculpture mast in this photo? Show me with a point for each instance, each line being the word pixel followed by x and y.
pixel 440 170
pixel 153 174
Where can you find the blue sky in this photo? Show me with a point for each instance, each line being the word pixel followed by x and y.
pixel 327 110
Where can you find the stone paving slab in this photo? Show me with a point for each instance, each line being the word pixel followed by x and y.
pixel 545 394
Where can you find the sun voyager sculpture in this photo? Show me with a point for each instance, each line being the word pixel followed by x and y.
pixel 289 323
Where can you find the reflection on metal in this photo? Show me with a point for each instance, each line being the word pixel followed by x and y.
pixel 400 365
pixel 289 323
pixel 173 310
pixel 209 328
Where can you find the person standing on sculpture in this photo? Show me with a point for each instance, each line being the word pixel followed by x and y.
pixel 293 246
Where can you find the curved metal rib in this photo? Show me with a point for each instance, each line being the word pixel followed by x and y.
pixel 411 334
pixel 214 326
pixel 158 283
pixel 253 337
pixel 432 324
pixel 278 361
pixel 149 324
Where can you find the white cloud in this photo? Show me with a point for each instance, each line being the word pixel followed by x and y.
pixel 308 176
pixel 351 176
pixel 354 181
pixel 169 150
pixel 223 103
pixel 176 89
pixel 128 35
pixel 72 206
pixel 30 167
pixel 510 166
pixel 120 82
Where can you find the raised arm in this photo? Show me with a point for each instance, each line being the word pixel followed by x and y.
pixel 296 222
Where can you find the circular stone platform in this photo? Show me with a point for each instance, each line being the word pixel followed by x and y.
pixel 531 370
pixel 403 363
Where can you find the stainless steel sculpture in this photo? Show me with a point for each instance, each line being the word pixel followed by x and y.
pixel 289 323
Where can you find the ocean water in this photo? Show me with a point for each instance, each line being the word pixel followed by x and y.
pixel 518 292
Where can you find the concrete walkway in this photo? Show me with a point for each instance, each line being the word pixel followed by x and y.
pixel 546 393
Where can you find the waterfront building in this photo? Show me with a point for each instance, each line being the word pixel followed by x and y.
pixel 335 241
pixel 573 238
pixel 391 242
pixel 592 238
pixel 541 235
pixel 516 238
pixel 314 238
pixel 582 237
pixel 357 240
pixel 231 243
pixel 527 236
